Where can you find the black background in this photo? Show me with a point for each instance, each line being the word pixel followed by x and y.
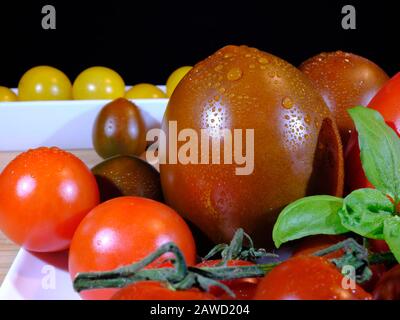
pixel 145 40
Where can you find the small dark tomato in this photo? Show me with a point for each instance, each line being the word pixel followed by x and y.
pixel 119 130
pixel 152 158
pixel 388 288
pixel 307 278
pixel 344 80
pixel 127 176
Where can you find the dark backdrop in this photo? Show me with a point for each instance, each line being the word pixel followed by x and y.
pixel 145 40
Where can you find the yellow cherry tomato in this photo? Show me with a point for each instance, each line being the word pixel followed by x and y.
pixel 7 95
pixel 44 83
pixel 145 91
pixel 98 83
pixel 175 77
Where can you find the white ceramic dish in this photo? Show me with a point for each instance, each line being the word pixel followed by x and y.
pixel 68 125
pixel 38 276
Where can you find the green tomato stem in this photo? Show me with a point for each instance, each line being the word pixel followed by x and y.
pixel 180 277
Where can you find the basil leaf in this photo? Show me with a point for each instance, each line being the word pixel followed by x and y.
pixel 308 216
pixel 380 150
pixel 364 212
pixel 392 235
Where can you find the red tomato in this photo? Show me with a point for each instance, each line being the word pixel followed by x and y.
pixel 306 278
pixel 244 289
pixel 388 288
pixel 378 270
pixel 122 231
pixel 152 290
pixel 45 193
pixel 387 102
pixel 379 246
pixel 310 245
pixel 354 177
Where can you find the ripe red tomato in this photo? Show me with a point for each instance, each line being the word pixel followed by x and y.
pixel 379 246
pixel 354 177
pixel 388 288
pixel 306 278
pixel 310 245
pixel 152 290
pixel 387 102
pixel 122 231
pixel 244 289
pixel 45 193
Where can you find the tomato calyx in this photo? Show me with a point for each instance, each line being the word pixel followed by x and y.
pixel 357 256
pixel 180 277
pixel 237 250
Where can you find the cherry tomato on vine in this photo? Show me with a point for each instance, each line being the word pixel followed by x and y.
pixel 123 231
pixel 152 290
pixel 307 278
pixel 145 91
pixel 7 95
pixel 310 245
pixel 244 289
pixel 98 83
pixel 44 83
pixel 45 193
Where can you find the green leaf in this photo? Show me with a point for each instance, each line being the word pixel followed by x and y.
pixel 364 212
pixel 308 216
pixel 380 150
pixel 392 235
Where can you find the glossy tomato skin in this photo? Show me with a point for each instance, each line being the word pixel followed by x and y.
pixel 175 78
pixel 244 88
pixel 145 91
pixel 119 130
pixel 388 287
pixel 151 290
pixel 311 245
pixel 386 102
pixel 127 176
pixel 122 231
pixel 345 80
pixel 379 246
pixel 7 95
pixel 98 83
pixel 244 289
pixel 355 177
pixel 45 194
pixel 306 278
pixel 44 83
